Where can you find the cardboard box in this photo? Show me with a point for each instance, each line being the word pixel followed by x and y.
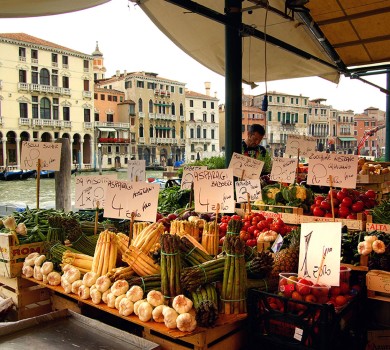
pixel 12 255
pixel 378 285
pixel 379 339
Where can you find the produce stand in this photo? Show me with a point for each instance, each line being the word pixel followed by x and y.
pixel 64 329
pixel 229 330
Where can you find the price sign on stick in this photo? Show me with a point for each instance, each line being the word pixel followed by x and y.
pixel 188 176
pixel 124 198
pixel 245 187
pixel 250 167
pixel 48 153
pixel 212 187
pixel 283 169
pixel 136 170
pixel 90 190
pixel 305 144
pixel 319 252
pixel 342 168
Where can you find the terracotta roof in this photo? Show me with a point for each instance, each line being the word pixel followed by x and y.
pixel 126 102
pixel 33 40
pixel 112 91
pixel 190 93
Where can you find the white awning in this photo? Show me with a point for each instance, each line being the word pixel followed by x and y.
pixel 107 129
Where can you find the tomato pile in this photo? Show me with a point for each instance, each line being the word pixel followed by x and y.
pixel 253 225
pixel 347 203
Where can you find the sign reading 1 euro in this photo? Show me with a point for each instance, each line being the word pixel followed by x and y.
pixel 188 176
pixel 48 153
pixel 213 187
pixel 283 169
pixel 124 198
pixel 136 170
pixel 90 191
pixel 304 145
pixel 245 167
pixel 319 252
pixel 340 169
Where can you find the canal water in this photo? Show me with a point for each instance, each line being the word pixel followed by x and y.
pixel 22 193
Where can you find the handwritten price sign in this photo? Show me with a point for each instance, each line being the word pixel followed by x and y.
pixel 284 169
pixel 212 187
pixel 305 144
pixel 124 198
pixel 245 187
pixel 136 170
pixel 49 154
pixel 342 167
pixel 188 176
pixel 91 189
pixel 319 252
pixel 245 167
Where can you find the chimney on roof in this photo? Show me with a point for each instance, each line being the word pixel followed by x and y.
pixel 118 73
pixel 125 73
pixel 215 94
pixel 207 86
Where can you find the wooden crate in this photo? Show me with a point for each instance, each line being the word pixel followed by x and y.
pixel 371 226
pixel 29 298
pixel 12 255
pixel 378 285
pixel 290 215
pixel 358 224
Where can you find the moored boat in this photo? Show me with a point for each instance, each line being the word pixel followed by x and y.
pixel 16 175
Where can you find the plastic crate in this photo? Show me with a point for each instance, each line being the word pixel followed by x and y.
pixel 295 324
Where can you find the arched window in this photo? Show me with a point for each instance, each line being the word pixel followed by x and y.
pixel 140 108
pixel 173 133
pixel 150 106
pixel 44 77
pixel 173 109
pixel 151 131
pixel 45 108
pixel 181 110
pixel 198 131
pixel 159 107
pixel 182 133
pixel 141 131
pixel 213 118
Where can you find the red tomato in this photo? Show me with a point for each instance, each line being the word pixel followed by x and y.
pixel 275 227
pixel 280 222
pixel 270 221
pixel 251 242
pixel 317 211
pixel 325 205
pixel 318 202
pixel 343 212
pixel 346 202
pixel 357 207
pixel 251 229
pixel 340 195
pixel 312 207
pixel 370 194
pixel 256 233
pixel 244 235
pixel 246 225
pixel 236 217
pixel 260 216
pixel 260 225
pixel 333 192
pixel 223 226
pixel 352 216
pixel 319 198
pixel 328 215
pixel 336 202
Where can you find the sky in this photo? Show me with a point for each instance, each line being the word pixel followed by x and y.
pixel 130 41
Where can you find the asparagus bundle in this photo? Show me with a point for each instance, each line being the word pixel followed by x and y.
pixel 140 262
pixel 234 277
pixel 148 237
pixel 55 252
pixel 210 237
pixel 85 245
pixel 147 283
pixel 207 272
pixel 170 265
pixel 192 253
pixel 205 303
pixel 260 266
pixel 184 227
pixel 120 273
pixel 104 258
pixel 138 227
pixel 81 261
pixel 234 228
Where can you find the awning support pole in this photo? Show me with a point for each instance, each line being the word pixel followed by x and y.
pixel 387 151
pixel 233 75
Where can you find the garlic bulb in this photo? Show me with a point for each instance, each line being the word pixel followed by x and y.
pixel 181 304
pixel 185 322
pixel 135 293
pixel 111 300
pixel 120 287
pixel 28 271
pixel 155 298
pixel 90 278
pixel 47 267
pixel 137 304
pixel 39 260
pixel 103 283
pixel 118 300
pixel 104 295
pixel 378 246
pixel 66 285
pixel 76 285
pixel 44 279
pixel 126 307
pixel 364 248
pixel 157 313
pixel 30 259
pixel 37 273
pixel 54 278
pixel 72 274
pixel 96 296
pixel 370 239
pixel 170 316
pixel 145 311
pixel 84 292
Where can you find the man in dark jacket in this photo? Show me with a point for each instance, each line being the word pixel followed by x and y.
pixel 251 145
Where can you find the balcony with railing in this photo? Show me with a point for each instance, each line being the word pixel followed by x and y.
pixel 54 64
pixel 24 122
pixel 141 114
pixel 112 125
pixel 34 60
pixel 151 116
pixel 141 140
pixel 88 125
pixel 67 124
pixel 113 140
pixel 288 126
pixel 47 89
pixel 182 118
pixel 22 58
pixel 41 123
pixel 87 94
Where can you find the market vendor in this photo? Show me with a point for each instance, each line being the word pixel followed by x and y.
pixel 251 145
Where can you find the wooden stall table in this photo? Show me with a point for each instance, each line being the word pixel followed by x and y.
pixel 228 333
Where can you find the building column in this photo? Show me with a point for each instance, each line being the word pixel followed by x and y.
pixel 17 152
pixel 81 160
pixel 4 153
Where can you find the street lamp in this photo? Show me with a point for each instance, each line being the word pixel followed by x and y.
pixel 100 158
